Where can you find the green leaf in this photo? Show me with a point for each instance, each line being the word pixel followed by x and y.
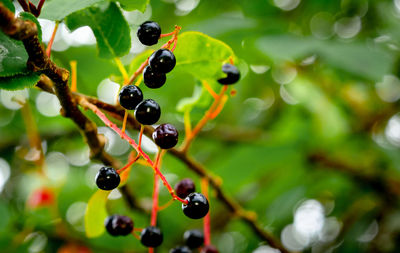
pixel 109 27
pixel 200 98
pixel 8 4
pixel 19 81
pixel 13 56
pixel 131 5
pixel 59 9
pixel 29 16
pixel 201 55
pixel 96 213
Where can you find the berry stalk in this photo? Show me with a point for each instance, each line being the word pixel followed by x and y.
pixel 141 135
pixel 154 210
pixel 206 221
pixel 53 35
pixel 132 142
pixel 74 84
pixel 210 114
pixel 156 191
pixel 128 164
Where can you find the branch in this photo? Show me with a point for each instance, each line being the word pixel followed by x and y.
pixel 249 217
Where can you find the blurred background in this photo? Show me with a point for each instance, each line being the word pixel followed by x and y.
pixel 310 142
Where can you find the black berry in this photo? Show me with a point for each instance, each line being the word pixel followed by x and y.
pixel 162 61
pixel 130 96
pixel 151 237
pixel 184 187
pixel 209 249
pixel 119 225
pixel 149 32
pixel 197 206
pixel 193 238
pixel 180 249
pixel 147 112
pixel 233 74
pixel 165 136
pixel 107 178
pixel 153 79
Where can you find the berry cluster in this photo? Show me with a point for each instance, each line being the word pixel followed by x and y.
pixel 147 112
pixel 161 61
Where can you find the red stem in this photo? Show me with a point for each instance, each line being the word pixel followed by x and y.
pixel 206 220
pixel 48 50
pixel 173 48
pixel 155 194
pixel 167 34
pixel 138 71
pixel 132 142
pixel 128 164
pixel 141 135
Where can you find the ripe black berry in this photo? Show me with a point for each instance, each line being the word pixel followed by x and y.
pixel 119 225
pixel 130 96
pixel 153 79
pixel 162 60
pixel 233 74
pixel 165 136
pixel 209 249
pixel 107 178
pixel 149 32
pixel 180 249
pixel 147 112
pixel 151 237
pixel 184 187
pixel 193 238
pixel 197 206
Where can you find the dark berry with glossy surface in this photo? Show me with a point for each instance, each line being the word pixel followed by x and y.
pixel 197 206
pixel 107 179
pixel 162 60
pixel 165 136
pixel 180 249
pixel 130 96
pixel 119 225
pixel 184 187
pixel 193 238
pixel 151 237
pixel 147 112
pixel 153 79
pixel 149 32
pixel 233 74
pixel 209 249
